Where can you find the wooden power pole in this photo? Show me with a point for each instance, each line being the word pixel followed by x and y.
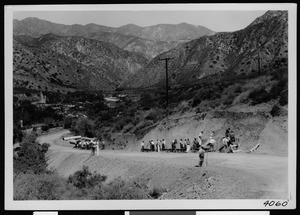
pixel 167 79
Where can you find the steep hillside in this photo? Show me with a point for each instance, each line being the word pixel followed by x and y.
pixel 53 62
pixel 150 48
pixel 234 53
pixel 165 32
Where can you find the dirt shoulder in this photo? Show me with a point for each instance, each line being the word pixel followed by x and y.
pixel 227 176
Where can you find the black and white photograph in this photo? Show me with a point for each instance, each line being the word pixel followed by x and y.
pixel 119 107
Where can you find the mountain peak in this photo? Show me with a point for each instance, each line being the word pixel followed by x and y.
pixel 279 14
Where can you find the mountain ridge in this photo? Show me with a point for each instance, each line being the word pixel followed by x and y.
pixel 73 63
pixel 267 36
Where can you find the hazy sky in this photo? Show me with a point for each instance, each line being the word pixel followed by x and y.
pixel 216 20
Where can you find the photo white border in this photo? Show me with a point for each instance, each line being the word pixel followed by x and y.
pixel 10 204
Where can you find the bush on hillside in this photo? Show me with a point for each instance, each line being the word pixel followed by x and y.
pixel 119 189
pixel 143 124
pixel 41 187
pixel 156 192
pixel 259 96
pixel 84 127
pixel 85 179
pixel 284 98
pixel 31 156
pixel 275 111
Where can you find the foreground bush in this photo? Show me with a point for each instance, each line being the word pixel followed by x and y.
pixel 31 156
pixel 41 187
pixel 119 189
pixel 85 179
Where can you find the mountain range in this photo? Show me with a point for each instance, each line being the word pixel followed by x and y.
pixel 266 39
pixel 56 57
pixel 150 40
pixel 58 63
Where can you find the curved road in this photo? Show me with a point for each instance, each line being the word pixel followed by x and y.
pixel 239 175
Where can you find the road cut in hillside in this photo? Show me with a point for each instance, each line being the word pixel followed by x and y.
pixel 226 176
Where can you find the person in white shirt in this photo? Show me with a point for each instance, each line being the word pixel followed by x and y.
pixel 225 141
pixel 211 143
pixel 200 137
pixel 188 145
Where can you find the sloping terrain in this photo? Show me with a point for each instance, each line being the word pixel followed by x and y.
pixel 148 47
pixel 166 32
pixel 222 53
pixel 251 126
pixel 226 176
pixel 52 63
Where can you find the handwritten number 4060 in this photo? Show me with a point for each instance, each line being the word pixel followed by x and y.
pixel 275 203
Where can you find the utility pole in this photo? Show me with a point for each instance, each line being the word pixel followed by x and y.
pixel 167 80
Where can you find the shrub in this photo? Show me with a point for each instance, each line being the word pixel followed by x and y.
pixel 275 111
pixel 68 122
pixel 284 98
pixel 156 192
pixel 128 127
pixel 41 187
pixel 259 96
pixel 119 189
pixel 45 128
pixel 84 127
pixel 31 156
pixel 85 179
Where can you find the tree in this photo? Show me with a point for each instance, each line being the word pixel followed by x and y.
pixel 84 127
pixel 31 156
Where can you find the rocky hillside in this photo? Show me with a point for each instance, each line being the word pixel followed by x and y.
pixel 166 32
pixel 57 63
pixel 229 53
pixel 151 40
pixel 150 48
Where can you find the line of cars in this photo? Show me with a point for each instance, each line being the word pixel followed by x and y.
pixel 82 142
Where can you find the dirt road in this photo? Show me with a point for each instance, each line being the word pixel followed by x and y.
pixel 226 176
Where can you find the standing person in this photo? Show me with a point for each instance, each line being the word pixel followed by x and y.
pixel 184 145
pixel 188 145
pixel 152 145
pixel 227 132
pixel 212 134
pixel 201 156
pixel 163 145
pixel 195 144
pixel 142 146
pixel 175 144
pixel 98 148
pixel 158 146
pixel 181 144
pixel 200 137
pixel 93 148
pixel 232 136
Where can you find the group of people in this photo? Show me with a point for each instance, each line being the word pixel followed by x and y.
pixel 198 145
pixel 181 145
pixel 158 146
